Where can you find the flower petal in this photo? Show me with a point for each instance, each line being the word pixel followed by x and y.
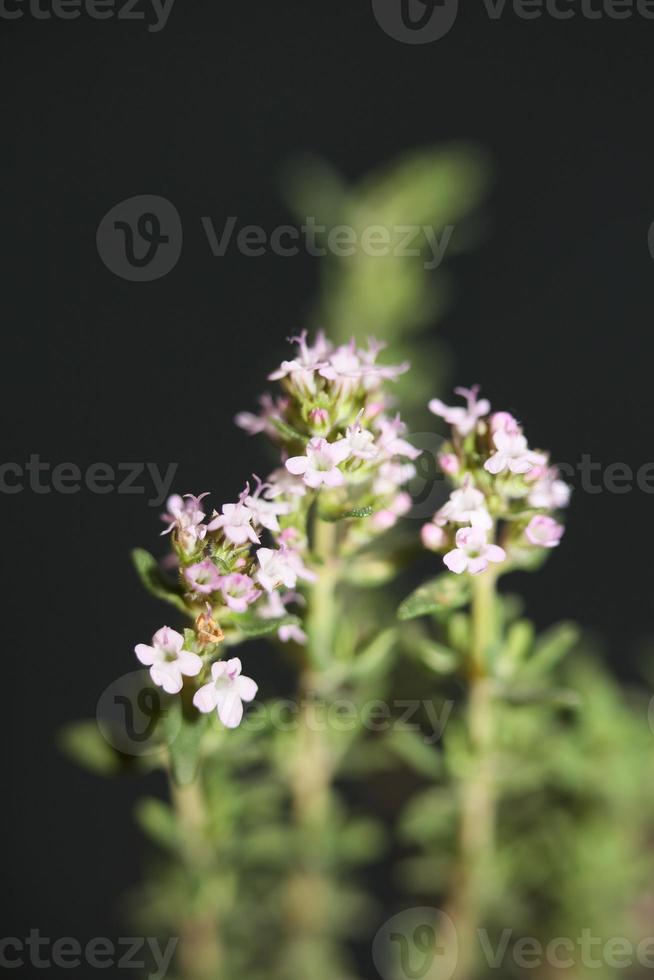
pixel 204 698
pixel 230 708
pixel 456 561
pixel 246 688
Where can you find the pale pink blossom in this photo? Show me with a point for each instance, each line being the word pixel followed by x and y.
pixel 547 491
pixel 275 607
pixel 544 531
pixel 203 577
pixel 344 368
pixel 239 591
pixel 385 519
pixel 281 482
pixel 504 422
pixel 226 692
pixel 467 505
pixel 361 442
pixel 185 515
pixel 280 566
pixel 512 453
pixel 236 522
pixel 391 476
pixel 373 372
pixel 320 465
pixel 302 368
pixel 433 537
pixel 465 419
pixel 292 632
pixel 265 512
pixel 390 439
pixel 167 660
pixel 473 552
pixel 254 424
pixel 449 463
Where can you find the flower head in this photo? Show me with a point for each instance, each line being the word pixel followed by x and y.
pixel 226 692
pixel 473 552
pixel 236 521
pixel 167 660
pixel 544 531
pixel 320 465
pixel 239 591
pixel 465 419
pixel 203 577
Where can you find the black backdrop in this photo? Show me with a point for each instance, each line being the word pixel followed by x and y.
pixel 553 318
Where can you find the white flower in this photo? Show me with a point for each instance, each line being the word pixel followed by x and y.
pixel 282 482
pixel 320 465
pixel 226 692
pixel 472 552
pixel 547 491
pixel 512 453
pixel 463 419
pixel 185 515
pixel 281 566
pixel 167 660
pixel 303 368
pixel 239 591
pixel 467 505
pixel 544 531
pixel 236 522
pixel 361 442
pixel 390 441
pixel 393 475
pixel 265 512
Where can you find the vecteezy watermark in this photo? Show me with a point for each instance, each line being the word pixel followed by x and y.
pixel 129 713
pixel 42 477
pixel 153 12
pixel 423 21
pixel 127 953
pixel 140 239
pixel 423 942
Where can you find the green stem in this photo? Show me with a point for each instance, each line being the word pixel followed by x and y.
pixel 312 771
pixel 198 952
pixel 474 888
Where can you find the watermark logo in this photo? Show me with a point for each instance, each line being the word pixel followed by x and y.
pixel 154 13
pixel 140 239
pixel 416 944
pixel 415 21
pixel 129 714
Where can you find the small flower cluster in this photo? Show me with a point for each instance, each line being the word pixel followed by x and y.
pixel 505 493
pixel 338 441
pixel 337 434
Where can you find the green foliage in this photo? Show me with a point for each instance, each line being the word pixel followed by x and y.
pixel 436 597
pixel 155 582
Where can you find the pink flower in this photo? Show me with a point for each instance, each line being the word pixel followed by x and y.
pixel 320 465
pixel 344 368
pixel 361 442
pixel 433 537
pixel 467 505
pixel 385 519
pixel 265 512
pixel 449 463
pixel 254 424
pixel 390 441
pixel 504 422
pixel 167 660
pixel 239 591
pixel 292 632
pixel 203 577
pixel 472 552
pixel 236 522
pixel 512 453
pixel 465 419
pixel 548 491
pixel 391 476
pixel 282 566
pixel 185 515
pixel 225 692
pixel 544 531
pixel 282 482
pixel 303 368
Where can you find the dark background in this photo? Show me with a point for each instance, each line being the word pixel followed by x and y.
pixel 553 317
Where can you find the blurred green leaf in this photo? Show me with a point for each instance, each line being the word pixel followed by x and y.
pixel 154 580
pixel 437 596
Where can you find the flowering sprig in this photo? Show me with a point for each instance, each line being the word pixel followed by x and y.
pixel 506 494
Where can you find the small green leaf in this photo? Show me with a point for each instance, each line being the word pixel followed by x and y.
pixel 376 656
pixel 157 820
pixel 436 656
pixel 83 742
pixel 287 431
pixel 358 513
pixel 551 647
pixel 438 596
pixel 251 625
pixel 370 572
pixel 411 748
pixel 154 580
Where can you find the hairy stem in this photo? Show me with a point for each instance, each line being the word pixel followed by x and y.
pixel 199 955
